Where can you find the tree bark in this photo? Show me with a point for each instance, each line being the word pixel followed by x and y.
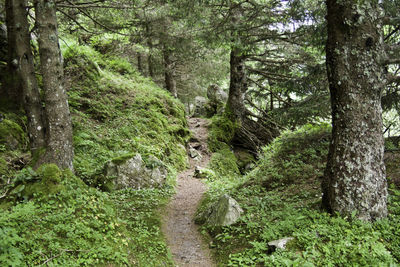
pixel 237 84
pixel 150 63
pixel 12 87
pixel 3 56
pixel 354 179
pixel 170 82
pixel 23 72
pixel 59 149
pixel 249 133
pixel 139 62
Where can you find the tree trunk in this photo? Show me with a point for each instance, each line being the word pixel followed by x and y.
pixel 59 148
pixel 139 62
pixel 170 83
pixel 3 57
pixel 23 71
pixel 355 175
pixel 237 85
pixel 12 87
pixel 250 133
pixel 150 63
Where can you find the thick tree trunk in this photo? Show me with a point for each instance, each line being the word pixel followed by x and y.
pixel 12 87
pixel 23 70
pixel 170 83
pixel 237 85
pixel 3 58
pixel 355 175
pixel 59 148
pixel 250 133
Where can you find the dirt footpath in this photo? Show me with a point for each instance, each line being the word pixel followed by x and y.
pixel 183 238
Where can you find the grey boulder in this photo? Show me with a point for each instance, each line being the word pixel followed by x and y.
pixel 133 173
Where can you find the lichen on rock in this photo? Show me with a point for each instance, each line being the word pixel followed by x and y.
pixel 131 171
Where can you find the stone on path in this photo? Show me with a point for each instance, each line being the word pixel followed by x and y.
pixel 200 172
pixel 225 211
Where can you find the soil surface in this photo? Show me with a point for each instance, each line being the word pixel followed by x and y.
pixel 184 240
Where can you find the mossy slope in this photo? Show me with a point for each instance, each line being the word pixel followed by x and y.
pixel 282 197
pixel 54 217
pixel 115 114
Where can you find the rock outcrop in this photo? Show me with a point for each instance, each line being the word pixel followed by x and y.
pixel 213 104
pixel 132 172
pixel 225 211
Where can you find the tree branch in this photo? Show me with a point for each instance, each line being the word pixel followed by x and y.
pixel 392 55
pixel 393 79
pixel 391 21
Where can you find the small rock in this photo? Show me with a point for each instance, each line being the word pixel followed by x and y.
pixel 193 153
pixel 200 172
pixel 281 243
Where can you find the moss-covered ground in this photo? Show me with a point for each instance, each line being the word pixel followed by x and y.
pixel 56 218
pixel 281 197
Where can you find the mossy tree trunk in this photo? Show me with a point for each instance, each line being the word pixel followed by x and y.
pixel 237 85
pixel 139 62
pixel 3 55
pixel 12 87
pixel 22 71
pixel 251 131
pixel 355 175
pixel 150 63
pixel 169 71
pixel 59 149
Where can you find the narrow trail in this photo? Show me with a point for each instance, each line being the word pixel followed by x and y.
pixel 183 238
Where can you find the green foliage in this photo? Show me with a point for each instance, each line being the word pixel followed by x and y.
pixel 223 163
pixel 312 109
pixel 221 132
pixel 115 115
pixel 122 159
pixel 51 217
pixel 81 226
pixel 294 157
pixel 281 197
pixel 244 158
pixel 10 255
pixel 12 136
pixel 3 167
pixel 76 226
pixel 140 210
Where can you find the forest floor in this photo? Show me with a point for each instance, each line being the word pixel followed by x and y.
pixel 184 240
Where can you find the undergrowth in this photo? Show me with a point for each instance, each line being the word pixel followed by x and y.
pixel 281 198
pixel 115 114
pixel 52 217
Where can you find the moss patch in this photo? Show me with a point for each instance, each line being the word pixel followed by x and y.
pixel 221 133
pixel 11 135
pixel 281 197
pixel 122 159
pixel 223 163
pixel 116 115
pixel 294 157
pixel 244 158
